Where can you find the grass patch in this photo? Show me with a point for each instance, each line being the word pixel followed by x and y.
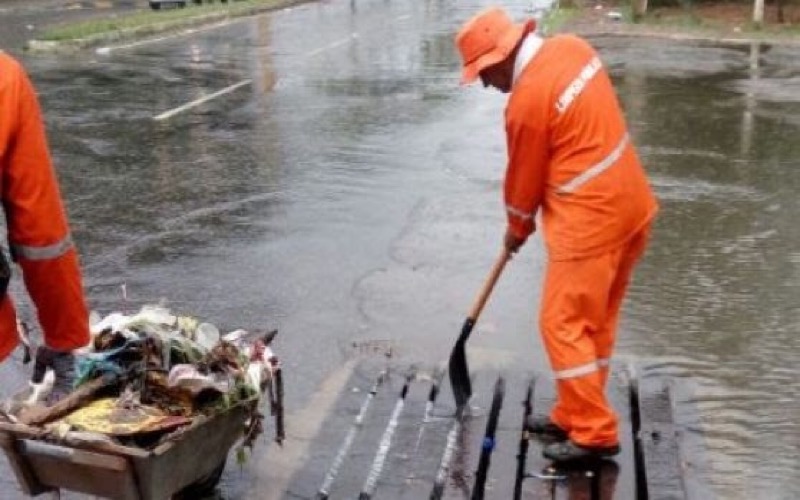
pixel 154 20
pixel 554 19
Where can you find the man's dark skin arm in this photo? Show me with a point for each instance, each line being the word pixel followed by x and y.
pixel 513 243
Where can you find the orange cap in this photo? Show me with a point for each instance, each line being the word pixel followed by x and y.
pixel 487 39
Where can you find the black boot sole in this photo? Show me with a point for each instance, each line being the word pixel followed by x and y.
pixel 585 455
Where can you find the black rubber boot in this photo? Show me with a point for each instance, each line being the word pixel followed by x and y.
pixel 567 451
pixel 63 366
pixel 543 426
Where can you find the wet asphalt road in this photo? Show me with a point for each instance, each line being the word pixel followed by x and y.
pixel 347 192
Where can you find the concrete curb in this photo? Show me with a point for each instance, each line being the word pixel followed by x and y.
pixel 687 37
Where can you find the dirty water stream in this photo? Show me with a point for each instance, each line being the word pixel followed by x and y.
pixel 350 197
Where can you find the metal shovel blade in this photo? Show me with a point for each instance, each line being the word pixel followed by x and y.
pixel 459 371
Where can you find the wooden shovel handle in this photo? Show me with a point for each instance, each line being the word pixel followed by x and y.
pixel 488 285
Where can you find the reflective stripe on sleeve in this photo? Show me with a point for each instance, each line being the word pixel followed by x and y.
pixel 43 252
pixel 596 169
pixel 578 371
pixel 519 213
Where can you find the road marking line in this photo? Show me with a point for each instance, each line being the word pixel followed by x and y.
pixel 332 45
pixel 169 114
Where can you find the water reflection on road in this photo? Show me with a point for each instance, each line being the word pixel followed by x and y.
pixel 717 298
pixel 351 194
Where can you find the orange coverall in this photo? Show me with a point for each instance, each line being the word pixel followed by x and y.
pixel 38 234
pixel 570 154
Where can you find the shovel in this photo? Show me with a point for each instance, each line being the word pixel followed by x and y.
pixel 459 371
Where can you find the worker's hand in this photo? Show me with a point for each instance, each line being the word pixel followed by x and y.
pixel 512 242
pixel 63 366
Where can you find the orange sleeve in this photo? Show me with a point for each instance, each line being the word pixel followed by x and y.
pixel 9 338
pixel 528 157
pixel 36 219
pixel 30 190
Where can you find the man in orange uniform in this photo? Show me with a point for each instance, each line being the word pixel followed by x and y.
pixel 570 156
pixel 38 234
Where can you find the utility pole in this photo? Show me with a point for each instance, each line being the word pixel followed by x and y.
pixel 758 13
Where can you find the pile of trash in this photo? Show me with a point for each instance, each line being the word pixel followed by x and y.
pixel 145 376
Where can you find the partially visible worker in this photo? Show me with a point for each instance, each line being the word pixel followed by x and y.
pixel 38 234
pixel 571 158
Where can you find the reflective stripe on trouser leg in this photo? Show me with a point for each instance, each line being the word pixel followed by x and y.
pixel 573 309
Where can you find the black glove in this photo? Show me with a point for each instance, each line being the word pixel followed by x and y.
pixel 63 366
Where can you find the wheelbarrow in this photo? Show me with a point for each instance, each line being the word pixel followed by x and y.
pixel 188 465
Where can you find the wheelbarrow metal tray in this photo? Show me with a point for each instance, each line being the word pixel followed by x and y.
pixel 120 472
